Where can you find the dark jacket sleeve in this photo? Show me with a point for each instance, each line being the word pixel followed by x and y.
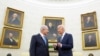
pixel 69 45
pixel 33 46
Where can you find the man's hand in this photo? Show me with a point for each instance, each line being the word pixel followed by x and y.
pixel 54 35
pixel 54 45
pixel 59 45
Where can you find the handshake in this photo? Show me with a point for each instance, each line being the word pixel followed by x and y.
pixel 57 45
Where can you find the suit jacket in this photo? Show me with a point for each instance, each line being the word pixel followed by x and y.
pixel 67 45
pixel 8 42
pixel 38 46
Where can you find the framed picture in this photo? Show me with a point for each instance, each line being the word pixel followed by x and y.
pixel 52 23
pixel 89 21
pixel 90 40
pixel 14 18
pixel 11 38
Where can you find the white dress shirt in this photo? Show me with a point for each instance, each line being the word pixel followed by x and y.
pixel 43 37
pixel 62 39
pixel 62 36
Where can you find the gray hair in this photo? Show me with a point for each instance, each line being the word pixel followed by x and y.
pixel 43 27
pixel 61 26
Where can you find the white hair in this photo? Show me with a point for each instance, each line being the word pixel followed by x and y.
pixel 43 27
pixel 61 26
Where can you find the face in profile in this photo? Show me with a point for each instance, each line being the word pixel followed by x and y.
pixel 46 31
pixel 60 30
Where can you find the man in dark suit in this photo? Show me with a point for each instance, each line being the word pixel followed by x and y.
pixel 9 40
pixel 39 43
pixel 65 42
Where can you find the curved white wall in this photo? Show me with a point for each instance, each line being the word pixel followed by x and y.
pixel 33 20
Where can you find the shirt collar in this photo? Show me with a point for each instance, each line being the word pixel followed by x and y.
pixel 63 34
pixel 41 34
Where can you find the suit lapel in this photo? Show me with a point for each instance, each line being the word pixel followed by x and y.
pixel 64 37
pixel 42 40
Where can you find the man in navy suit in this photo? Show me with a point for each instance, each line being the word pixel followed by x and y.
pixel 65 42
pixel 39 43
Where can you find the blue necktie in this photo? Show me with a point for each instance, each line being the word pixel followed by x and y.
pixel 44 38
